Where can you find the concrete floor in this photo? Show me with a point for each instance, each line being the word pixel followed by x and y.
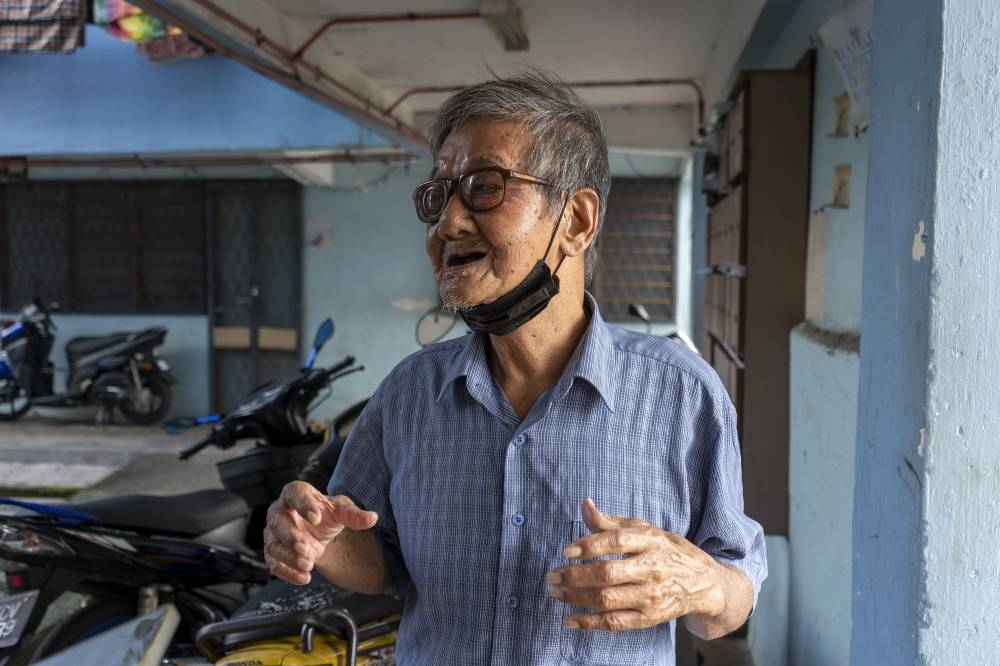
pixel 37 454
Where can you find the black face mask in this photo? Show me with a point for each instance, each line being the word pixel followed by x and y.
pixel 522 303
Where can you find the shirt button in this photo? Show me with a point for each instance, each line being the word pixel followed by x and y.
pixel 512 602
pixel 519 440
pixel 517 519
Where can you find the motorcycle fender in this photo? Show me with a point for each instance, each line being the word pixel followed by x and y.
pixel 327 651
pixel 168 375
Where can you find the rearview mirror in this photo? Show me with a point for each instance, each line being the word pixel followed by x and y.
pixel 178 425
pixel 323 333
pixel 639 310
pixel 434 325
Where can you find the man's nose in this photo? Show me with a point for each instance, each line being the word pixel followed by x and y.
pixel 456 220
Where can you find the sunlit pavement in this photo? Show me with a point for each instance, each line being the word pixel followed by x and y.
pixel 40 456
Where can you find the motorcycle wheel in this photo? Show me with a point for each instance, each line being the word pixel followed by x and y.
pixel 83 624
pixel 14 399
pixel 158 403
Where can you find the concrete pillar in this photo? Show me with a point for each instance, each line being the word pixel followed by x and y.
pixel 926 579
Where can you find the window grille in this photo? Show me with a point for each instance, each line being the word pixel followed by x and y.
pixel 103 247
pixel 636 249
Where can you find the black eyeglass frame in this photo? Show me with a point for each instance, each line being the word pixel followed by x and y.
pixel 452 185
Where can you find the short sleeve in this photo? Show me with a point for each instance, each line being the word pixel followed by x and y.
pixel 363 475
pixel 718 524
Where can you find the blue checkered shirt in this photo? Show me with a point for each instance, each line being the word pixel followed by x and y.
pixel 475 505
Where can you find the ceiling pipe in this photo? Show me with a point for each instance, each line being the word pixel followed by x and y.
pixel 368 109
pixel 577 84
pixel 195 161
pixel 386 18
pixel 284 54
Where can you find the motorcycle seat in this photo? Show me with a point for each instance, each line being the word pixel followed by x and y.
pixel 279 596
pixel 91 343
pixel 190 514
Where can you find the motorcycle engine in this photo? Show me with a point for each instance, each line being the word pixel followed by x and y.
pixel 111 388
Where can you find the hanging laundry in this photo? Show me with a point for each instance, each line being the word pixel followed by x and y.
pixel 128 22
pixel 155 38
pixel 41 26
pixel 172 47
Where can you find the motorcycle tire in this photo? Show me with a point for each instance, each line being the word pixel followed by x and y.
pixel 160 389
pixel 11 392
pixel 81 625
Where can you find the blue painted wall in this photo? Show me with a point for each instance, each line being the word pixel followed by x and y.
pixel 106 98
pixel 368 271
pixel 955 255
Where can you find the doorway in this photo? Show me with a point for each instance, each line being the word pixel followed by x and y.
pixel 256 237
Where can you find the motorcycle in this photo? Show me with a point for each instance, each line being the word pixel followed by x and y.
pixel 200 551
pixel 317 624
pixel 121 370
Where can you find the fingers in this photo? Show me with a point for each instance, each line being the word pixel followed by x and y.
pixel 613 542
pixel 286 564
pixel 619 620
pixel 615 597
pixel 304 500
pixel 300 526
pixel 341 510
pixel 596 521
pixel 282 561
pixel 602 573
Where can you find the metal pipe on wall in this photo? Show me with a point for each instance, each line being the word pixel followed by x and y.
pixel 386 18
pixel 185 161
pixel 577 84
pixel 290 79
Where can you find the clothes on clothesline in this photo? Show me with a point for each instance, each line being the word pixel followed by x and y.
pixel 41 26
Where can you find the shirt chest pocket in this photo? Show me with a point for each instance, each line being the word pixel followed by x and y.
pixel 602 648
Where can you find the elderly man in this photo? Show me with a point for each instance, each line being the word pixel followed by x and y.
pixel 551 488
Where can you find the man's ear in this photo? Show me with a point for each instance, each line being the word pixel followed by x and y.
pixel 582 210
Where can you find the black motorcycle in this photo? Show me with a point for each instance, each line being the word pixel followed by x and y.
pixel 121 370
pixel 199 551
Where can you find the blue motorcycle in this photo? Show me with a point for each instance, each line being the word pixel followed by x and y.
pixel 121 370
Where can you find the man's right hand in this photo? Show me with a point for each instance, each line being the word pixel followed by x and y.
pixel 301 524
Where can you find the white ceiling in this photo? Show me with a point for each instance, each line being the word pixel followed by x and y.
pixel 579 40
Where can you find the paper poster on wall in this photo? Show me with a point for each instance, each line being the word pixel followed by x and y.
pixel 847 37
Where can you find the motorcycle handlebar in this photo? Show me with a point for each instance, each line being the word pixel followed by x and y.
pixel 331 371
pixel 196 447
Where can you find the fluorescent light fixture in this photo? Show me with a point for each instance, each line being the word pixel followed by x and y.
pixel 309 174
pixel 507 23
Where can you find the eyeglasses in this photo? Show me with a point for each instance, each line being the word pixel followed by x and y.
pixel 480 190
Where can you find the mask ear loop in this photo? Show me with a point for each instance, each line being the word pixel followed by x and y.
pixel 553 236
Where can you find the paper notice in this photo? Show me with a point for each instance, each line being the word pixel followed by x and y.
pixel 848 39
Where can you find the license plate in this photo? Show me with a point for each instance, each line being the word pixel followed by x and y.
pixel 14 613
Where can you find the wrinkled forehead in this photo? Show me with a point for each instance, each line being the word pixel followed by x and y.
pixel 482 142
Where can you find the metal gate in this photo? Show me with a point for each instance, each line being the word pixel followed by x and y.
pixel 256 234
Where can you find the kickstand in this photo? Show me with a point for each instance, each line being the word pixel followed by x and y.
pixel 105 415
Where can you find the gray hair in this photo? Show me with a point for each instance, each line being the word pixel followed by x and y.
pixel 566 140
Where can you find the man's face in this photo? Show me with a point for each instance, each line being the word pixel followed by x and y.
pixel 478 257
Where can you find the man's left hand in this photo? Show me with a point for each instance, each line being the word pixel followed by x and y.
pixel 662 576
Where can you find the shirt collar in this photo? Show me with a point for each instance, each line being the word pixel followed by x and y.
pixel 592 360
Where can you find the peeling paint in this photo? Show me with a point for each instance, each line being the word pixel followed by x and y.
pixel 413 304
pixel 923 439
pixel 920 242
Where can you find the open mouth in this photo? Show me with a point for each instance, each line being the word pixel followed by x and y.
pixel 456 260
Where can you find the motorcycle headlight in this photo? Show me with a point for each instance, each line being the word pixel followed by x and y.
pixel 15 539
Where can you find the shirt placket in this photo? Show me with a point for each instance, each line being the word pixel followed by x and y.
pixel 508 594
